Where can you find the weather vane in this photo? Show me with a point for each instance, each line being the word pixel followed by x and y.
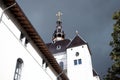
pixel 59 14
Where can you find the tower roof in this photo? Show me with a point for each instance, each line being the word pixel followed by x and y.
pixel 77 41
pixel 58 33
pixel 59 46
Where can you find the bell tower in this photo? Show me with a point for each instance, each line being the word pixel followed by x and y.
pixel 58 33
pixel 73 56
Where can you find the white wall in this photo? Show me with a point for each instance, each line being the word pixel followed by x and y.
pixel 96 78
pixel 82 71
pixel 11 48
pixel 61 57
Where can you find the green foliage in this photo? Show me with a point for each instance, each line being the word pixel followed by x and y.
pixel 114 70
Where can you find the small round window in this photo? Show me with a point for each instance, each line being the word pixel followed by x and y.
pixel 77 54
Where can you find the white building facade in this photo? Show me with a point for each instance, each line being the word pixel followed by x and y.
pixel 73 56
pixel 23 54
pixel 79 63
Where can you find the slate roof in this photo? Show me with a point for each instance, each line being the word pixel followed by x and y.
pixel 77 41
pixel 64 44
pixel 59 46
pixel 94 73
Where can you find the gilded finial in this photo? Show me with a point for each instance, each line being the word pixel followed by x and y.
pixel 59 14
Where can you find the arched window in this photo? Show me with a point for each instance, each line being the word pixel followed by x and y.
pixel 61 65
pixel 18 69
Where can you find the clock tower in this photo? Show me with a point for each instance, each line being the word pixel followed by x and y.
pixel 73 56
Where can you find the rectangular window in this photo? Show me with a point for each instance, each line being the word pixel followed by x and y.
pixel 61 65
pixel 79 61
pixel 75 62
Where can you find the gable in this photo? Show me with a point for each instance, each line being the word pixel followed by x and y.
pixel 77 41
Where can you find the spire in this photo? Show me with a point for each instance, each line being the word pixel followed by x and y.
pixel 58 33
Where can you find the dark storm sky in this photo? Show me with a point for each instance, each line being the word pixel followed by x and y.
pixel 92 18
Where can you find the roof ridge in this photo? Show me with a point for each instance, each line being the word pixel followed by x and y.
pixel 74 42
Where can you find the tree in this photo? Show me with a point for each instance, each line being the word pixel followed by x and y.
pixel 114 70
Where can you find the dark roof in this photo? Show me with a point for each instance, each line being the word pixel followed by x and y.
pixel 94 73
pixel 64 44
pixel 59 46
pixel 77 41
pixel 27 28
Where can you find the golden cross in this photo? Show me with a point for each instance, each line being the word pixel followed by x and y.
pixel 59 14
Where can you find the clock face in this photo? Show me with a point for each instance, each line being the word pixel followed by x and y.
pixel 58 47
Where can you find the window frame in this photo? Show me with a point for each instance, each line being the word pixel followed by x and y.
pixel 79 61
pixel 18 69
pixel 61 64
pixel 75 62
